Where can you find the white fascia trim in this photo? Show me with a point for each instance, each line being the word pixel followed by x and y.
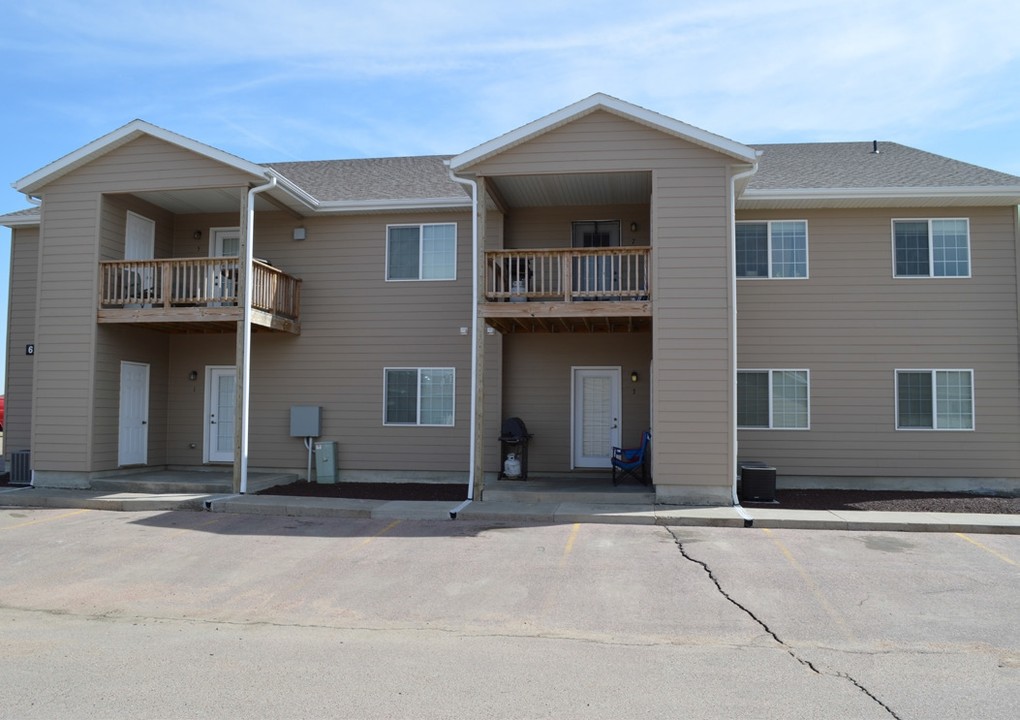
pixel 963 192
pixel 292 188
pixel 601 101
pixel 22 221
pixel 120 136
pixel 341 206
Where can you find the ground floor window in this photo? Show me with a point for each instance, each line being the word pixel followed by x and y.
pixel 773 399
pixel 934 399
pixel 418 396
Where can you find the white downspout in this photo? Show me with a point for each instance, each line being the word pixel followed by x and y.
pixel 473 450
pixel 733 331
pixel 249 238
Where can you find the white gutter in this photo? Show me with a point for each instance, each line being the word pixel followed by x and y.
pixel 249 239
pixel 733 333
pixel 472 449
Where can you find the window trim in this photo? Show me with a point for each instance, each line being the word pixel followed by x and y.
pixel 421 232
pixel 771 425
pixel 418 422
pixel 931 250
pixel 768 231
pixel 935 400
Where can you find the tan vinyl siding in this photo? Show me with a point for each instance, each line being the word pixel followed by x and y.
pixel 852 325
pixel 528 228
pixel 79 228
pixel 537 388
pixel 21 318
pixel 689 215
pixel 691 326
pixel 597 142
pixel 353 324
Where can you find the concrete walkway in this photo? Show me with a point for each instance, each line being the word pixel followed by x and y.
pixel 514 512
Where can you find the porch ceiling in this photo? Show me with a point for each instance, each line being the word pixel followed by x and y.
pixel 624 188
pixel 202 200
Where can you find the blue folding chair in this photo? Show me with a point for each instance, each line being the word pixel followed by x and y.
pixel 629 461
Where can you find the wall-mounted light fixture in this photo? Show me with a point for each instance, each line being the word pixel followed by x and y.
pixel 299 233
pixel 634 376
pixel 197 234
pixel 193 375
pixel 633 227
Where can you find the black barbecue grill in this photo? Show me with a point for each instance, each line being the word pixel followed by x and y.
pixel 513 438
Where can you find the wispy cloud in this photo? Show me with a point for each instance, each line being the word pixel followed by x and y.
pixel 415 76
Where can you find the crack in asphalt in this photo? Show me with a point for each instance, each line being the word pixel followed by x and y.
pixel 771 633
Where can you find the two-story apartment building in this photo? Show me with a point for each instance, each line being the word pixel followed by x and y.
pixel 847 312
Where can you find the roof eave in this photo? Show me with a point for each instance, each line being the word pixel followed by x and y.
pixel 881 197
pixel 136 128
pixel 362 206
pixel 600 101
pixel 21 221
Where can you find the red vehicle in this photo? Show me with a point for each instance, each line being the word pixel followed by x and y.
pixel 1 413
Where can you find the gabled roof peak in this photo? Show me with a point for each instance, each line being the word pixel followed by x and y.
pixel 122 135
pixel 608 103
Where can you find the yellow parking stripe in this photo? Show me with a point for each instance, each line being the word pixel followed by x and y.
pixel 811 585
pixel 568 548
pixel 987 549
pixel 385 530
pixel 42 520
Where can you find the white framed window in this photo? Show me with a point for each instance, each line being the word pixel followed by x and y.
pixel 421 252
pixel 934 399
pixel 931 247
pixel 772 249
pixel 418 396
pixel 773 400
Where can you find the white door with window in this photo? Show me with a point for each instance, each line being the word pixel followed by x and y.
pixel 596 416
pixel 224 243
pixel 139 244
pixel 220 401
pixel 133 437
pixel 594 274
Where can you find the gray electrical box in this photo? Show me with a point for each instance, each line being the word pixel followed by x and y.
pixel 325 462
pixel 305 421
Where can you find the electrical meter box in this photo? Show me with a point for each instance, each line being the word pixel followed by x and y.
pixel 305 421
pixel 325 462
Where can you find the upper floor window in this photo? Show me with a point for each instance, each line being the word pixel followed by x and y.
pixel 772 249
pixel 934 399
pixel 773 399
pixel 931 248
pixel 421 252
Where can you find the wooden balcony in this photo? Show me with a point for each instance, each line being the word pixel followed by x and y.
pixel 568 290
pixel 196 295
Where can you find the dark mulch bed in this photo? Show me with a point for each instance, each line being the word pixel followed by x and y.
pixel 790 499
pixel 889 500
pixel 372 491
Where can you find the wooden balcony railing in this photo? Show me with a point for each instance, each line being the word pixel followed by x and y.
pixel 207 282
pixel 568 274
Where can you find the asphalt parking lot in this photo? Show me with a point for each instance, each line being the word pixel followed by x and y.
pixel 185 614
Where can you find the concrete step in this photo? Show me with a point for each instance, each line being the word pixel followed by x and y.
pixel 552 491
pixel 169 482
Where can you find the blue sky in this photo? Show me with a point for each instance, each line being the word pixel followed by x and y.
pixel 326 79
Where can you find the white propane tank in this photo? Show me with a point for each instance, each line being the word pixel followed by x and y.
pixel 512 466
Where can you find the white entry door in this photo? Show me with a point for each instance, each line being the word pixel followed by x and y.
pixel 133 442
pixel 596 416
pixel 224 242
pixel 220 400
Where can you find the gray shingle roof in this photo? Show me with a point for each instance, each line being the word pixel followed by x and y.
pixel 854 165
pixel 396 178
